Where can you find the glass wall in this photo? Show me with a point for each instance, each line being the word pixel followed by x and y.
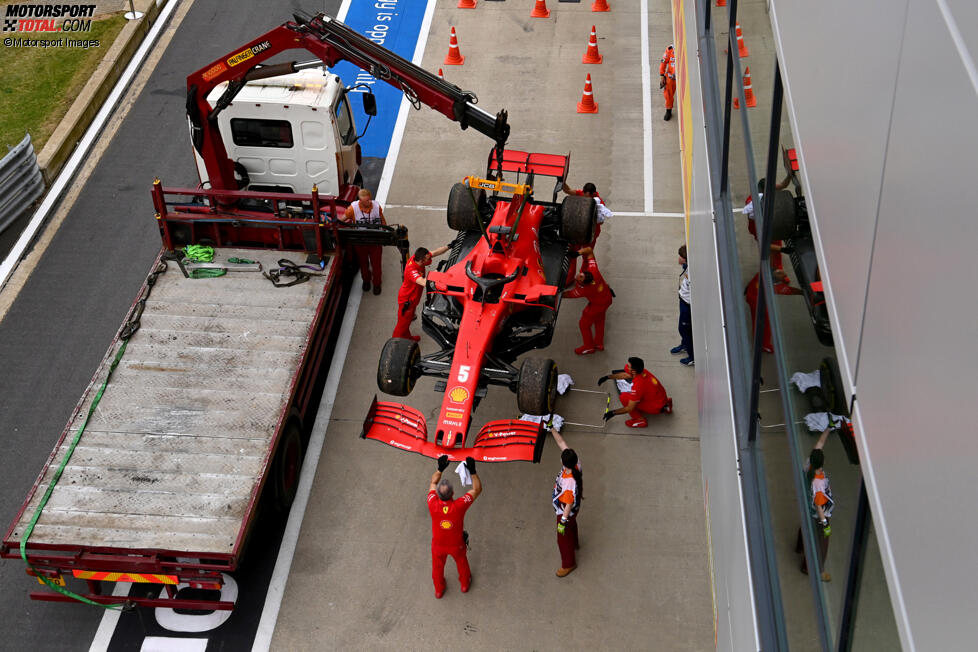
pixel 828 585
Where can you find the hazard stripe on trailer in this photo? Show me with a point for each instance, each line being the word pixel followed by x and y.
pixel 140 578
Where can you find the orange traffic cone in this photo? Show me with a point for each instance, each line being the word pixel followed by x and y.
pixel 441 75
pixel 540 10
pixel 591 55
pixel 721 3
pixel 748 90
pixel 600 5
pixel 736 103
pixel 587 103
pixel 454 56
pixel 466 4
pixel 741 46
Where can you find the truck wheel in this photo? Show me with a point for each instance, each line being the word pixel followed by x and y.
pixel 536 390
pixel 395 369
pixel 578 215
pixel 285 468
pixel 463 215
pixel 785 221
pixel 832 388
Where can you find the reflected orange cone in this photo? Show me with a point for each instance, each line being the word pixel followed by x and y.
pixel 466 4
pixel 748 89
pixel 454 56
pixel 600 5
pixel 587 103
pixel 441 75
pixel 591 55
pixel 736 103
pixel 540 10
pixel 741 46
pixel 721 3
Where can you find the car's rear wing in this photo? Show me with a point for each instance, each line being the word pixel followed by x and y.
pixel 403 427
pixel 526 163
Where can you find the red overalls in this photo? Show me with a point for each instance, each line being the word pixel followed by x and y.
pixel 370 257
pixel 650 394
pixel 446 539
pixel 408 296
pixel 599 299
pixel 667 67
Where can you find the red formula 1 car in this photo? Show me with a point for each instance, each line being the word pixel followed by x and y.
pixel 494 298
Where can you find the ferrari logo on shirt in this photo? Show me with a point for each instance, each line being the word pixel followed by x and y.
pixel 444 510
pixel 446 525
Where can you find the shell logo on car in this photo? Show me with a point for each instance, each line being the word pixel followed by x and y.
pixel 459 394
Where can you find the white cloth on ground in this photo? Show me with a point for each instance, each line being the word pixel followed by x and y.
pixel 806 381
pixel 555 421
pixel 819 421
pixel 463 474
pixel 623 385
pixel 564 381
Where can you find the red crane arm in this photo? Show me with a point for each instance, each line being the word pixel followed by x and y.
pixel 330 41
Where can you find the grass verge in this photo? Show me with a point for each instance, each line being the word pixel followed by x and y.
pixel 38 84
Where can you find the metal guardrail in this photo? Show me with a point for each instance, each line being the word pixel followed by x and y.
pixel 20 181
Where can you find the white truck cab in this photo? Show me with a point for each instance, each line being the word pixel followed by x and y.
pixel 289 133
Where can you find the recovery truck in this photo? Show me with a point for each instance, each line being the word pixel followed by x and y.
pixel 195 421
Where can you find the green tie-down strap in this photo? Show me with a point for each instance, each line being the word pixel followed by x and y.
pixel 54 481
pixel 199 253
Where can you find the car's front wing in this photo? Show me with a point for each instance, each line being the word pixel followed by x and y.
pixel 403 427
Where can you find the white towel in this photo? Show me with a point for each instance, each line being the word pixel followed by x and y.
pixel 819 421
pixel 603 211
pixel 805 381
pixel 623 385
pixel 564 381
pixel 555 420
pixel 463 474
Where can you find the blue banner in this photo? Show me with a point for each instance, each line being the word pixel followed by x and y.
pixel 395 25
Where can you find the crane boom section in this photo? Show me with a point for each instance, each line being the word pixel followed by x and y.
pixel 330 41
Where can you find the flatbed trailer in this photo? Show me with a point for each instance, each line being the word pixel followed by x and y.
pixel 202 424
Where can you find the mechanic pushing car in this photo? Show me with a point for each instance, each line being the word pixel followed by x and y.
pixel 412 290
pixel 647 394
pixel 447 518
pixel 591 286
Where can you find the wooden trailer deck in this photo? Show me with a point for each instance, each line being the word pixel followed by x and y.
pixel 177 446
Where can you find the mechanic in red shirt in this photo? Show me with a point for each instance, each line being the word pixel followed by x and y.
pixel 589 190
pixel 447 517
pixel 591 286
pixel 647 395
pixel 412 289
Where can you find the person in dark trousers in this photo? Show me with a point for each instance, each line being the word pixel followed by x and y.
pixel 685 314
pixel 447 518
pixel 567 495
pixel 820 506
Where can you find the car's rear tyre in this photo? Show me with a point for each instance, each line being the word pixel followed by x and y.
pixel 536 390
pixel 395 370
pixel 832 388
pixel 785 220
pixel 578 217
pixel 285 468
pixel 463 214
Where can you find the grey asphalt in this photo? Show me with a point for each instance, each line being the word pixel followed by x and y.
pixel 64 318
